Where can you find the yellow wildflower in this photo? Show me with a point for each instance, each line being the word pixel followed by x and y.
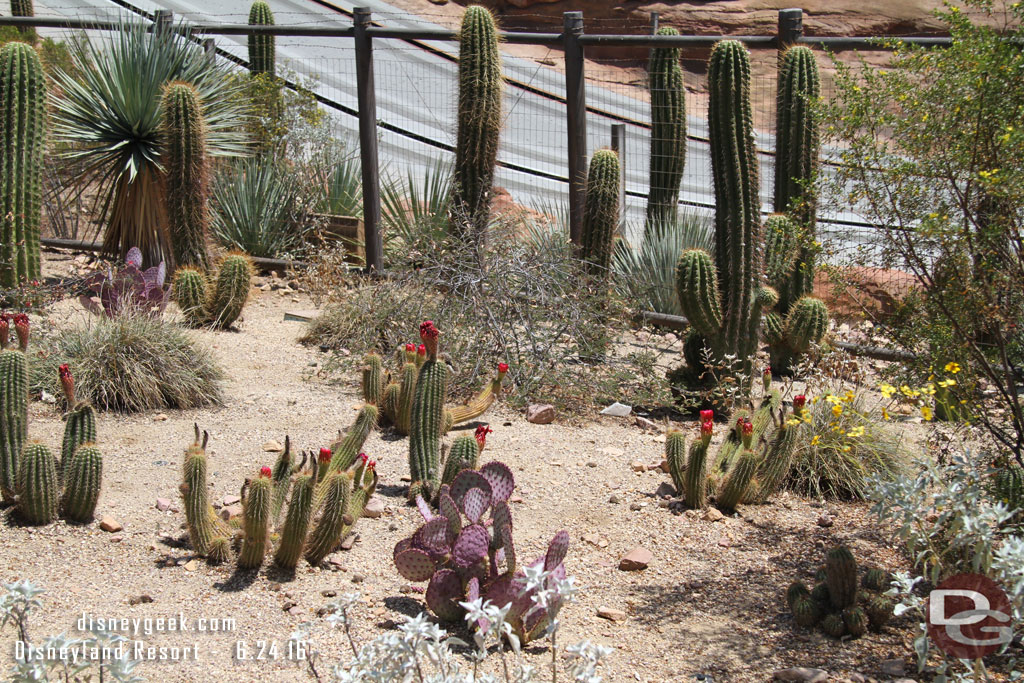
pixel 816 439
pixel 885 414
pixel 887 390
pixel 856 432
pixel 926 413
pixel 837 410
pixel 952 368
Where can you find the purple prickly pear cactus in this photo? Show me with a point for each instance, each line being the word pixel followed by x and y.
pixel 130 288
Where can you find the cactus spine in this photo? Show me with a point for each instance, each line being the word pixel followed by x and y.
pixel 23 133
pixel 13 403
pixel 184 136
pixel 22 8
pixel 601 216
pixel 776 463
pixel 209 535
pixel 427 419
pixel 327 532
pixel 668 132
pixel 83 475
pixel 256 509
pixel 296 523
pixel 675 455
pixel 261 46
pixel 720 298
pixel 790 338
pixel 479 127
pixel 38 491
pixel 796 162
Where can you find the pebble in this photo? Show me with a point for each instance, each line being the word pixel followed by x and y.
pixel 515 498
pixel 826 520
pixel 160 417
pixel 636 506
pixel 295 611
pixel 374 508
pixel 802 675
pixel 192 565
pixel 638 466
pixel 273 447
pixel 328 593
pixel 140 599
pixel 540 413
pixel 358 577
pixel 617 410
pixel 614 498
pixel 110 525
pixel 613 452
pixel 644 423
pixel 231 500
pixel 163 504
pixel 229 512
pixel 893 667
pixel 636 559
pixel 713 515
pixel 348 542
pixel 665 489
pixel 611 614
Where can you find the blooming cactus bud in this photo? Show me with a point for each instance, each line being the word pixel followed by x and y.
pixel 706 429
pixel 747 430
pixel 766 378
pixel 410 348
pixel 422 350
pixel 21 326
pixel 502 368
pixel 5 329
pixel 362 457
pixel 371 465
pixel 707 416
pixel 266 472
pixel 799 402
pixel 481 435
pixel 67 382
pixel 429 335
pixel 325 456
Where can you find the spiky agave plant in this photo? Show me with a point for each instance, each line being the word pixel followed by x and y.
pixel 108 114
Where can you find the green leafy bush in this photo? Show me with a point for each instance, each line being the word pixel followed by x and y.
pixel 255 203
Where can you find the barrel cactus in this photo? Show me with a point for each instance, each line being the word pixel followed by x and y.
pixel 791 337
pixel 297 520
pixel 668 132
pixel 601 217
pixel 23 132
pixel 479 123
pixel 38 490
pixel 83 476
pixel 217 303
pixel 261 46
pixel 841 570
pixel 79 421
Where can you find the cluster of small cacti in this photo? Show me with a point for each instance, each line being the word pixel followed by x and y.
pixel 601 215
pixel 836 604
pixel 668 132
pixel 216 301
pixel 466 556
pixel 262 53
pixel 479 123
pixel 752 462
pixel 23 131
pixel 329 492
pixel 43 486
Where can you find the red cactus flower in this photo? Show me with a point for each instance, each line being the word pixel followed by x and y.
pixel 363 457
pixel 371 465
pixel 706 429
pixel 799 402
pixel 21 326
pixel 5 328
pixel 422 350
pixel 707 416
pixel 410 348
pixel 67 382
pixel 481 434
pixel 265 472
pixel 325 456
pixel 748 427
pixel 502 368
pixel 429 335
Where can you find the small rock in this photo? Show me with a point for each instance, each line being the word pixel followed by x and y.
pixel 288 604
pixel 348 542
pixel 160 417
pixel 358 578
pixel 857 678
pixel 229 512
pixel 663 466
pixel 893 667
pixel 540 413
pixel 116 539
pixel 671 338
pixel 802 675
pixel 374 508
pixel 725 541
pixel 295 611
pixel 140 599
pixel 904 680
pixel 328 593
pixel 335 563
pixel 825 520
pixel 591 463
pixel 613 452
pixel 407 588
pixel 273 447
pixel 192 565
pixel 556 463
pixel 163 504
pixel 614 498
pixel 635 506
pixel 592 539
pixel 636 559
pixel 47 397
pixel 617 410
pixel 231 500
pixel 110 525
pixel 611 614
pixel 660 438
pixel 515 498
pixel 644 423
pixel 665 489
pixel 713 515
pixel 637 466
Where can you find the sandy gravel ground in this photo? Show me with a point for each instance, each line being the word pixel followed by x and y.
pixel 710 602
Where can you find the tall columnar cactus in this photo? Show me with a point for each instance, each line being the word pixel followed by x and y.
pixel 38 490
pixel 184 139
pixel 737 481
pixel 364 483
pixel 79 421
pixel 479 123
pixel 779 457
pixel 22 139
pixel 22 8
pixel 261 46
pixel 427 419
pixel 479 404
pixel 13 401
pixel 407 391
pixel 668 132
pixel 695 481
pixel 217 303
pixel 347 448
pixel 601 217
pixel 373 379
pixel 334 515
pixel 83 476
pixel 281 480
pixel 256 509
pixel 464 453
pixel 796 162
pixel 296 523
pixel 723 297
pixel 841 571
pixel 675 455
pixel 208 533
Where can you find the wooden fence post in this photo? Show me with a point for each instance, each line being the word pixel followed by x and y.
pixel 619 146
pixel 367 98
pixel 576 120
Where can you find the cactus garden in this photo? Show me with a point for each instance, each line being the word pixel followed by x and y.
pixel 638 439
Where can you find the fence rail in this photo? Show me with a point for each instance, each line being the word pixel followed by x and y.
pixel 572 41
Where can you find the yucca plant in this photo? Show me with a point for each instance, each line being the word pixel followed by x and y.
pixel 415 213
pixel 645 274
pixel 343 194
pixel 109 117
pixel 254 201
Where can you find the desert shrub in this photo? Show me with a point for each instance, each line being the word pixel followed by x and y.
pixel 343 194
pixel 132 363
pixel 414 214
pixel 520 304
pixel 932 157
pixel 255 201
pixel 646 273
pixel 846 443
